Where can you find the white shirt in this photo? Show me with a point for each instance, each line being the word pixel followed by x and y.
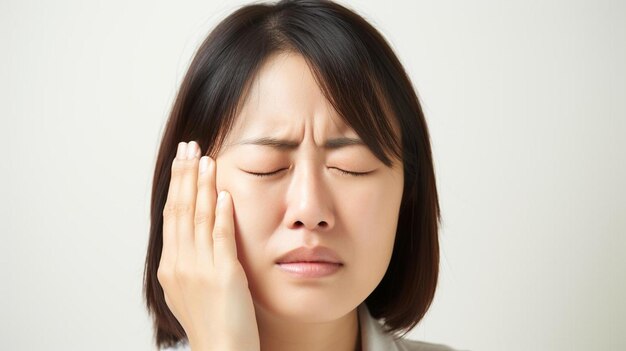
pixel 373 338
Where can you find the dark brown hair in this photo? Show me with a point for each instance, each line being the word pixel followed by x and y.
pixel 366 84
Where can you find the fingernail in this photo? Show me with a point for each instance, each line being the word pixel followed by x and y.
pixel 204 163
pixel 220 198
pixel 182 149
pixel 192 150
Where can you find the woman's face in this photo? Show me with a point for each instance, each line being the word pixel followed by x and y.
pixel 308 202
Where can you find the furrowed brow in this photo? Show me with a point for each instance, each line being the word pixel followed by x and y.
pixel 287 145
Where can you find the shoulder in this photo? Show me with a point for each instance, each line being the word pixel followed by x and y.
pixel 414 345
pixel 374 338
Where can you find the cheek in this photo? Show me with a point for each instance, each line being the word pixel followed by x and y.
pixel 255 208
pixel 373 208
pixel 372 218
pixel 256 218
pixel 373 240
pixel 373 229
pixel 257 214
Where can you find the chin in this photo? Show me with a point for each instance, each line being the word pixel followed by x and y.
pixel 306 304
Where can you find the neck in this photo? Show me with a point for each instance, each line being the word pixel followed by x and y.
pixel 278 334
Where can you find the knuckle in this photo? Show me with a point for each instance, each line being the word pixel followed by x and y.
pixel 164 276
pixel 219 233
pixel 184 208
pixel 184 272
pixel 203 182
pixel 201 218
pixel 180 167
pixel 190 276
pixel 177 209
pixel 205 279
pixel 169 210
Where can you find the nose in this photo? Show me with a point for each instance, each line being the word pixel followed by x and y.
pixel 309 204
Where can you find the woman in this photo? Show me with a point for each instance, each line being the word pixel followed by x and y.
pixel 309 124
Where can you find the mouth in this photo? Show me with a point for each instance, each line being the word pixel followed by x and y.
pixel 310 263
pixel 309 269
pixel 318 254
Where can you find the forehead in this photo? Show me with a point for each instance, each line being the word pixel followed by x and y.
pixel 283 98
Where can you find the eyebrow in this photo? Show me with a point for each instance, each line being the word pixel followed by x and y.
pixel 330 144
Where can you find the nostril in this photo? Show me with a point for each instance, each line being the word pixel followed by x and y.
pixel 322 224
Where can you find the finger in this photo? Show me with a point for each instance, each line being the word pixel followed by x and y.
pixel 224 246
pixel 205 209
pixel 169 213
pixel 187 168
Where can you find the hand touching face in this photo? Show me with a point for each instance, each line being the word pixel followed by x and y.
pixel 204 284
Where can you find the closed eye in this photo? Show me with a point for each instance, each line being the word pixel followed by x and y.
pixel 355 174
pixel 265 174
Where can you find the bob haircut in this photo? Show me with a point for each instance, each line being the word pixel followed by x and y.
pixel 366 84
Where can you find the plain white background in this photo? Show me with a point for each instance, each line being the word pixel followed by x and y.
pixel 525 101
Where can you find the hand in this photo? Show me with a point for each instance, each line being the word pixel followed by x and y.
pixel 205 286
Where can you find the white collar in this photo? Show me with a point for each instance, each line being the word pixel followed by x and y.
pixel 373 337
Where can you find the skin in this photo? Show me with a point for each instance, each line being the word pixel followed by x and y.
pixel 309 202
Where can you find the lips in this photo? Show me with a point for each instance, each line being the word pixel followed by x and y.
pixel 308 270
pixel 316 254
